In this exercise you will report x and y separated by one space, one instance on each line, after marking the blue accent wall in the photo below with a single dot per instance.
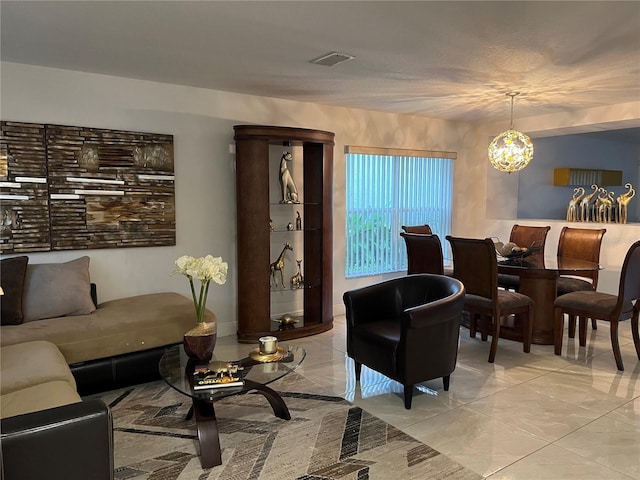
539 198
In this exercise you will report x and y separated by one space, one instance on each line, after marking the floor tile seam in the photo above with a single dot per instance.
591 368
519 460
621 417
608 467
615 382
578 405
497 420
596 417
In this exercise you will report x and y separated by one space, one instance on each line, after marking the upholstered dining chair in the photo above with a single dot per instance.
424 253
581 244
604 306
476 266
406 328
424 229
523 236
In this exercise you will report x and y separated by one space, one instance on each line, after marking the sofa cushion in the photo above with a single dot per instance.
38 397
57 290
12 275
31 363
119 326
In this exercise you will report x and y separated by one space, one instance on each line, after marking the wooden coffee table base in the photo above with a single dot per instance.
207 424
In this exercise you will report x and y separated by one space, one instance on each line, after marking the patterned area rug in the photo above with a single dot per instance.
327 438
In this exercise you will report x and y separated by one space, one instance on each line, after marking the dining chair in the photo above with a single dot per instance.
581 244
524 236
586 304
424 229
476 266
424 253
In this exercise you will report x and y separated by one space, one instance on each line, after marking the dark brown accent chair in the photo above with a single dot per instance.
581 244
586 304
423 229
476 266
424 253
524 236
406 328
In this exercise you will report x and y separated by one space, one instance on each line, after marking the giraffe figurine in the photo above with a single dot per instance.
297 281
278 266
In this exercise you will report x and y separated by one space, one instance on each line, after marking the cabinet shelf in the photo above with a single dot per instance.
259 150
292 290
284 230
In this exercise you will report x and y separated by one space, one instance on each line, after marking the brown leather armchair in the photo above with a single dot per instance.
406 328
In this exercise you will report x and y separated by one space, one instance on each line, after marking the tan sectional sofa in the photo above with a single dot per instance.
47 364
35 376
107 345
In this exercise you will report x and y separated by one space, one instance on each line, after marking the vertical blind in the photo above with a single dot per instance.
386 189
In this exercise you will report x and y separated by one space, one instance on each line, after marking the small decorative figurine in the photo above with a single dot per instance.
278 266
603 206
289 226
572 209
286 322
298 221
289 190
297 281
585 204
622 201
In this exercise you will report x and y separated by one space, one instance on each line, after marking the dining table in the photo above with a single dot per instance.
538 280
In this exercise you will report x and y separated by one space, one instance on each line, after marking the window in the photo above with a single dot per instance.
388 188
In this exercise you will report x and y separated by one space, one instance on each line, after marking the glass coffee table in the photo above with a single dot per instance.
177 370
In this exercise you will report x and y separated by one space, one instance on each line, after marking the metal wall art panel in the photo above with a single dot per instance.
76 188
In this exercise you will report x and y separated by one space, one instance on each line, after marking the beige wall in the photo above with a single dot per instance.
202 124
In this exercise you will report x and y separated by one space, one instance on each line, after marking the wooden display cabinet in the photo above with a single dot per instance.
262 231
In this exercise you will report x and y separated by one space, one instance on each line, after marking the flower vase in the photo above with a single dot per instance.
200 341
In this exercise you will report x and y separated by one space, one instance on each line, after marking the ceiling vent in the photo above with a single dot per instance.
332 59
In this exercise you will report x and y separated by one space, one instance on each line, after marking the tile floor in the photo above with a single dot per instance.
527 416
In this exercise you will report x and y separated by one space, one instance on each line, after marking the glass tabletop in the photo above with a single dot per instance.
559 264
177 370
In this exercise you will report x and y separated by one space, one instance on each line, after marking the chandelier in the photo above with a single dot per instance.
512 150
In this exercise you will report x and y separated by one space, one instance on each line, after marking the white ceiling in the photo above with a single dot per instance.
452 60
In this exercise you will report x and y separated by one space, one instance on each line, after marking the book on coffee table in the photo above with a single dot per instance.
210 376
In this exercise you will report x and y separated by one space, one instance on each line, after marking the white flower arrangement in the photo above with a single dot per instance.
204 269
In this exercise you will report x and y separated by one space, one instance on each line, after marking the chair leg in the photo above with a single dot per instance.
527 326
484 326
408 396
582 332
358 370
594 323
494 340
616 345
472 325
558 330
635 331
445 381
572 326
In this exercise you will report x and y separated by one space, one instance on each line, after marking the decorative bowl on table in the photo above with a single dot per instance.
510 250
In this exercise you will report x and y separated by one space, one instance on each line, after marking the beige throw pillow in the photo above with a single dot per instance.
57 290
